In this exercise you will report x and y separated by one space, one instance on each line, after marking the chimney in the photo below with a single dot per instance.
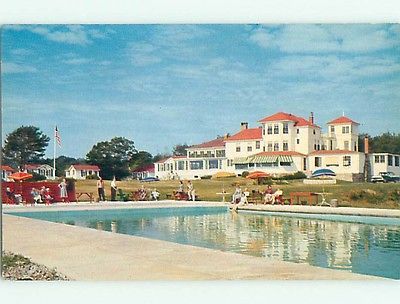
366 145
226 136
311 118
244 126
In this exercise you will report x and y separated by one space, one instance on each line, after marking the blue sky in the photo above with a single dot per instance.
160 85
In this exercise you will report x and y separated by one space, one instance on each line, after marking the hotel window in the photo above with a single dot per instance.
317 162
397 161
181 165
213 164
276 146
315 146
276 129
285 128
390 160
263 129
298 141
313 131
332 129
298 131
269 146
346 161
237 147
346 145
346 130
304 164
196 165
269 130
285 146
379 159
258 145
249 148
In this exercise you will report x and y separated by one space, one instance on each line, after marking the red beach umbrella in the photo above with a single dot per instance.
20 176
257 175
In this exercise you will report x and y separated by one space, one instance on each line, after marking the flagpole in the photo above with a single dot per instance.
54 159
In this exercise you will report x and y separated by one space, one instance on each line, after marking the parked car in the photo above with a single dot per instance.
390 177
377 179
150 179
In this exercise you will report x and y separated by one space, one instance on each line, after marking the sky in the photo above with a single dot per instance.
162 85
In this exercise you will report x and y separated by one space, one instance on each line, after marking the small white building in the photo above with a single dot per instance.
82 171
44 170
6 171
384 162
143 172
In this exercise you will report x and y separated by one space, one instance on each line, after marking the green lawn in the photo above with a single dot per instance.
348 194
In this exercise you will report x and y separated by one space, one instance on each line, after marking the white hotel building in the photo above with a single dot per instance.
282 144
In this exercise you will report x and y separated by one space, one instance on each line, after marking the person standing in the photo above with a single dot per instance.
100 190
113 189
190 190
63 191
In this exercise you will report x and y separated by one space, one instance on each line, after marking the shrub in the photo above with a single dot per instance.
92 176
206 177
297 175
37 177
245 173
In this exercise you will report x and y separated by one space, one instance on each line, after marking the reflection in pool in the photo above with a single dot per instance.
361 248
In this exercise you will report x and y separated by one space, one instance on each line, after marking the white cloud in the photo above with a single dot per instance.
20 52
16 68
313 38
70 34
77 61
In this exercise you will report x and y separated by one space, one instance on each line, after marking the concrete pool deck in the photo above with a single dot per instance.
89 254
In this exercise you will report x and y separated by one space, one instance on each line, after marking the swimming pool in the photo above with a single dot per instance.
365 245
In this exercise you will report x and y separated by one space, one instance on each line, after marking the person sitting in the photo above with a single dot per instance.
36 196
278 196
245 195
237 195
269 195
10 196
180 189
48 199
155 194
190 191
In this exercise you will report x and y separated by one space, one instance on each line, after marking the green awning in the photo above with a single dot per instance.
240 160
285 158
264 159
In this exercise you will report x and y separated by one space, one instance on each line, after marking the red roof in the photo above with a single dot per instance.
86 167
343 120
247 134
7 168
326 152
273 153
31 166
148 168
218 142
298 121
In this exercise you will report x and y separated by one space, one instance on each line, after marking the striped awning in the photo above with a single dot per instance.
240 160
264 159
285 158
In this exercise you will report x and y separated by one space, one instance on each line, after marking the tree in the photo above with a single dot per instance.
180 150
113 157
140 159
158 157
24 145
386 142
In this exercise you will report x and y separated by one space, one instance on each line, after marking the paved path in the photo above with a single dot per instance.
89 254
322 210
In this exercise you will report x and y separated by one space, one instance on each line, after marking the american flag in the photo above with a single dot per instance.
57 136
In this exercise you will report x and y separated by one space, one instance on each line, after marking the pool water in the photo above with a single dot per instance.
365 245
